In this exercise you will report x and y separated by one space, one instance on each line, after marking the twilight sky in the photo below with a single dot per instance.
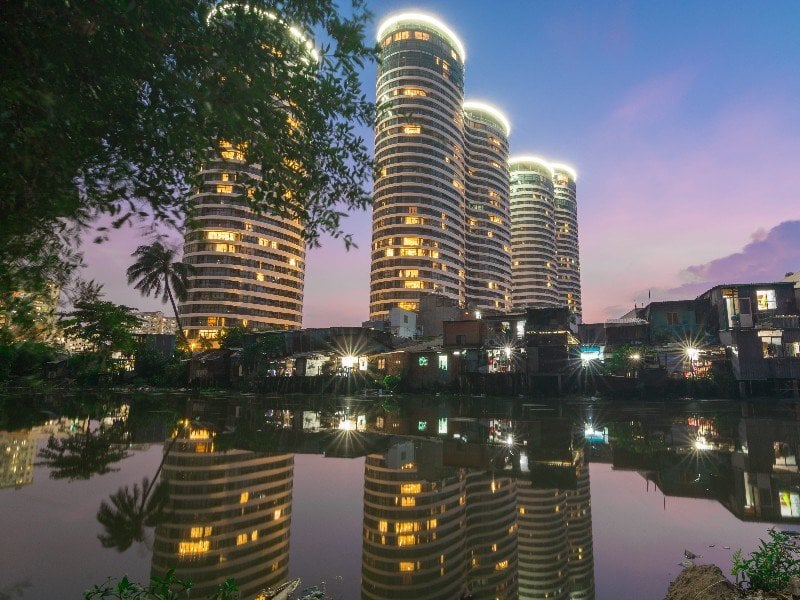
682 120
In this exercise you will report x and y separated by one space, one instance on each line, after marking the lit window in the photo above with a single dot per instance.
244 497
190 548
501 565
410 488
228 236
408 501
408 305
412 129
409 273
241 539
224 189
277 514
411 241
224 248
292 262
402 35
412 284
443 362
406 566
389 252
406 540
383 526
432 523
413 221
406 527
225 176
259 277
421 35
766 300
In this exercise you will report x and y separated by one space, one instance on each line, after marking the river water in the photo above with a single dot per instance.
397 498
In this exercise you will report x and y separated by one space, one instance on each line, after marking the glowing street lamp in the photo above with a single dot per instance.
636 357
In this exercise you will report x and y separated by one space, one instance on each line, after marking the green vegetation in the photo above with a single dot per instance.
168 588
772 565
110 107
105 326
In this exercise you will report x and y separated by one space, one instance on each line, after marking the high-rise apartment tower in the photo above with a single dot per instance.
544 235
488 234
440 220
533 233
569 266
249 267
418 222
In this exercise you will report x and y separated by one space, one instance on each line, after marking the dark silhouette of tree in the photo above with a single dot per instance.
104 325
109 108
156 272
129 511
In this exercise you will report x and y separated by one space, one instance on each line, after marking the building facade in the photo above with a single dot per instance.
544 235
533 234
488 232
418 212
249 266
567 251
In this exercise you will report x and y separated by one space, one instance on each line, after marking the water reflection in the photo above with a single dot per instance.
228 516
436 528
492 506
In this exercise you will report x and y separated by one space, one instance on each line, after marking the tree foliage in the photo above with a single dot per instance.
110 107
104 325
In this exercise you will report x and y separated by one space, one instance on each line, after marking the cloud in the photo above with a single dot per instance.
766 258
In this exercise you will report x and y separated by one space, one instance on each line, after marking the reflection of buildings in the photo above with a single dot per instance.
554 517
766 481
229 515
414 525
17 451
491 535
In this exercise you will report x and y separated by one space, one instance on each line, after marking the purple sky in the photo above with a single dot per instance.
682 120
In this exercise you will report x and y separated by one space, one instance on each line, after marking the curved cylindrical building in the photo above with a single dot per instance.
249 267
569 268
418 217
533 234
488 233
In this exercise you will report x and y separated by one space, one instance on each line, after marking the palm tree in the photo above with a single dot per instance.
156 272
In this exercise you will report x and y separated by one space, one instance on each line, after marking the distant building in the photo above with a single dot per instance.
17 451
435 309
400 322
155 323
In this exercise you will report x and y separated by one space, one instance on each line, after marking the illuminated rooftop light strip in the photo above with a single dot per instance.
567 169
474 105
515 160
296 32
426 20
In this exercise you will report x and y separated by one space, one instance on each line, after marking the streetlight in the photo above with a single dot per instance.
692 353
